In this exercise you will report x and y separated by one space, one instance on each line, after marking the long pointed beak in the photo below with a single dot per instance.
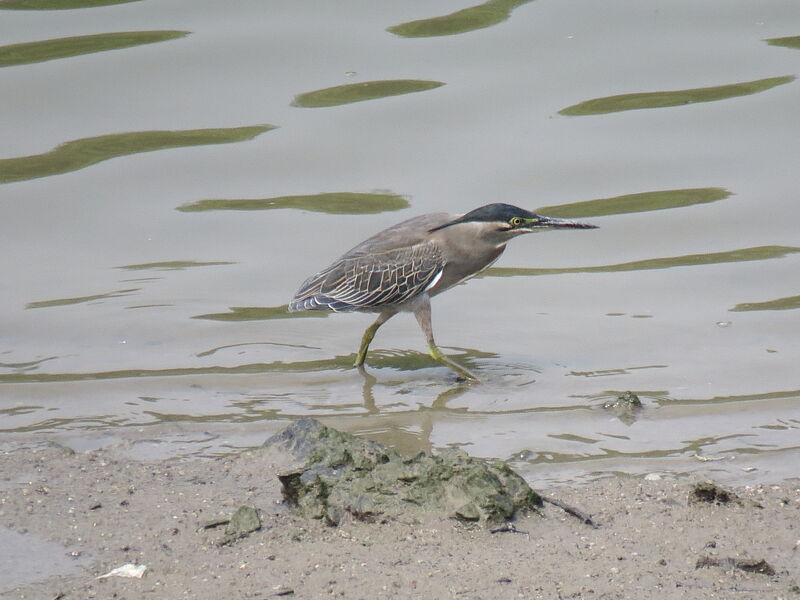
563 223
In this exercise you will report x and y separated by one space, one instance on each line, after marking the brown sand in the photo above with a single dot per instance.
108 510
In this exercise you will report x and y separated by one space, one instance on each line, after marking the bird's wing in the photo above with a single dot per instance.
372 280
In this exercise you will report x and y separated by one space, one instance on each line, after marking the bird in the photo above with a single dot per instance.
401 268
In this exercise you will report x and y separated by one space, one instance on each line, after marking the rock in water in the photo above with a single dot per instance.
342 475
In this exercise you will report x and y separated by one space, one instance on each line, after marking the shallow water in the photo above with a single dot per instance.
146 275
27 558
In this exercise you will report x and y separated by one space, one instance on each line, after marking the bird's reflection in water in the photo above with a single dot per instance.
408 432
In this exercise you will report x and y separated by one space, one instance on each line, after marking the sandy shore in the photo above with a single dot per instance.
101 510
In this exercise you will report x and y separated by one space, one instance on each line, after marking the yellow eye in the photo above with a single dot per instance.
515 221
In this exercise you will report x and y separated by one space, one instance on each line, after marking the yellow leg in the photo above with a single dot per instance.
369 333
423 314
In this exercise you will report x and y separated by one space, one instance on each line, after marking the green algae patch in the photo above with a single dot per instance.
785 42
261 313
57 4
668 262
788 303
81 153
340 477
633 203
339 203
80 299
173 265
609 104
359 92
34 52
462 21
342 362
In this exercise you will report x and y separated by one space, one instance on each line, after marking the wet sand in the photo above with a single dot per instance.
104 510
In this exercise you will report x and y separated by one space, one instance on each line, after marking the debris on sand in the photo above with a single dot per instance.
239 525
729 564
243 522
128 570
340 476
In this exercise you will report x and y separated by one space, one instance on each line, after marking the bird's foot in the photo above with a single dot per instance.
463 372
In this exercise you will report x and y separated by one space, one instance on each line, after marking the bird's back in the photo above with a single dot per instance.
403 235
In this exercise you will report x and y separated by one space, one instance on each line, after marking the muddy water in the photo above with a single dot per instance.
163 195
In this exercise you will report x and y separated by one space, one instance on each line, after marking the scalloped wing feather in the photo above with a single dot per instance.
371 281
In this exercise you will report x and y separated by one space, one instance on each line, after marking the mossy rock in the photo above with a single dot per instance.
342 476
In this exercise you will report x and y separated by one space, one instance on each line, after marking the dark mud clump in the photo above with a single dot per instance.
710 493
341 476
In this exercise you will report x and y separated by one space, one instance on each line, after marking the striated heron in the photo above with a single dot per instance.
402 267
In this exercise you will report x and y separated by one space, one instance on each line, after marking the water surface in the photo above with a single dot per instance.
147 270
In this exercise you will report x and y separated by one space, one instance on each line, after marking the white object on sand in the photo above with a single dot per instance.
126 570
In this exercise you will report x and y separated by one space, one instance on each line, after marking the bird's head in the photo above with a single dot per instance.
504 221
